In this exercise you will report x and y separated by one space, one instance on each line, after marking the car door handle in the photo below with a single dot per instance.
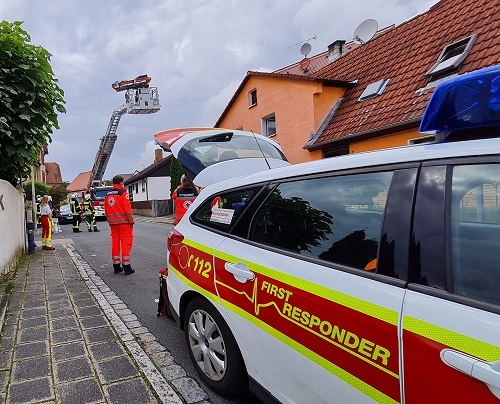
486 372
240 271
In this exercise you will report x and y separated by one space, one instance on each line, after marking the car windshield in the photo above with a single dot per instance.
64 208
100 193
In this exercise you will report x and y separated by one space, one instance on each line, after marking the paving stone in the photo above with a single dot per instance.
60 313
68 351
31 313
99 334
7 343
31 368
62 323
190 390
116 369
162 359
5 359
73 369
34 304
88 311
93 322
131 392
67 335
31 391
33 334
33 349
106 350
173 372
32 322
83 391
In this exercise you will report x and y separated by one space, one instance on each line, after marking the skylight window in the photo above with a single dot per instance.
451 57
373 89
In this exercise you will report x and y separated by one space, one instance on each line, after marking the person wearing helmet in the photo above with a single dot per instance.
37 209
88 210
76 211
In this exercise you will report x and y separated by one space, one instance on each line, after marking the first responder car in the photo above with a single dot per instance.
372 277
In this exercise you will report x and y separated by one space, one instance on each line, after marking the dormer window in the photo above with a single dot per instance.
373 89
252 97
451 58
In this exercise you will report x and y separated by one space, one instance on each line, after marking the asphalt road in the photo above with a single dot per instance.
140 290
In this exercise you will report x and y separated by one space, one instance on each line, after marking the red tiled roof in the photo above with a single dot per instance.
403 55
53 172
80 182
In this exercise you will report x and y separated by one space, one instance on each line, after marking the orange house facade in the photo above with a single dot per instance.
285 107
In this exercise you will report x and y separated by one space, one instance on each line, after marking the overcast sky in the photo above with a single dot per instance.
197 52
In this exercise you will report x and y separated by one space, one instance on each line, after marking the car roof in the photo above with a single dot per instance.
403 154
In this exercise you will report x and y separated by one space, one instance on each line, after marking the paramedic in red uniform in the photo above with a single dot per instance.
119 215
183 197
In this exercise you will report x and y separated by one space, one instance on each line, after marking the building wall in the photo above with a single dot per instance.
299 107
384 142
150 188
13 226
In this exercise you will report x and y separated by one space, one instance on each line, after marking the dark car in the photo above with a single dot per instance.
65 215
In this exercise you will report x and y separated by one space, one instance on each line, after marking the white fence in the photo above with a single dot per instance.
12 227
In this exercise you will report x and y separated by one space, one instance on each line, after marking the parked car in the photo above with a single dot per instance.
371 277
65 215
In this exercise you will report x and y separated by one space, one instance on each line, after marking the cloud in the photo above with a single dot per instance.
197 52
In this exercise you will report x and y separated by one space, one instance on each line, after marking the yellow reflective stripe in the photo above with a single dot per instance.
319 360
370 309
193 285
464 343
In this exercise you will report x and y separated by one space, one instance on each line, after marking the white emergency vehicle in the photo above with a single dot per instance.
372 277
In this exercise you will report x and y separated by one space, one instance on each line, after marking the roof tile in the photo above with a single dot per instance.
403 55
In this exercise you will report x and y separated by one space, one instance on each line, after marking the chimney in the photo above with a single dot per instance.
158 155
336 50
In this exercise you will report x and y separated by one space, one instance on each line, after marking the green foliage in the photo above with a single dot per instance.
29 100
40 189
59 195
175 174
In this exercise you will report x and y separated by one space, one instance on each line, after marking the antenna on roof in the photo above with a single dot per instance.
307 40
365 31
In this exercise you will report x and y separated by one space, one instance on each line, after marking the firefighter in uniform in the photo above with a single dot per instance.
119 214
183 197
88 210
76 211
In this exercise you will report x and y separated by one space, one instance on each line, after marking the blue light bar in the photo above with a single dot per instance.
467 101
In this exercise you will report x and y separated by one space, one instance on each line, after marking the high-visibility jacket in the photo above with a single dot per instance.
117 206
183 198
75 207
88 209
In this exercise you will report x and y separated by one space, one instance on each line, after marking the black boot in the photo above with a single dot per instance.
117 268
128 269
96 230
77 231
90 230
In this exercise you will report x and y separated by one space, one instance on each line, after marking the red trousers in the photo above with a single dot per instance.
122 237
46 231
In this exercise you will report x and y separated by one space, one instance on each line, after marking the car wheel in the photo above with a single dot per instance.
214 350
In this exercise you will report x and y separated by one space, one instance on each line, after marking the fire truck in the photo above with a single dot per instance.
140 98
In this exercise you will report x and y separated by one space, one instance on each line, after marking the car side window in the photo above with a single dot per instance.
220 211
475 232
336 219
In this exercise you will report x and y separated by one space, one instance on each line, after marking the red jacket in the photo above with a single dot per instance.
117 206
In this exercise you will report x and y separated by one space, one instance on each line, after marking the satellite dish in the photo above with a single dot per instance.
365 31
305 49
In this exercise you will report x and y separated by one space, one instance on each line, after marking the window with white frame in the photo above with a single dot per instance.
269 125
451 57
252 97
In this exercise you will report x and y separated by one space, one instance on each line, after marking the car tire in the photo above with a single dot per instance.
213 349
